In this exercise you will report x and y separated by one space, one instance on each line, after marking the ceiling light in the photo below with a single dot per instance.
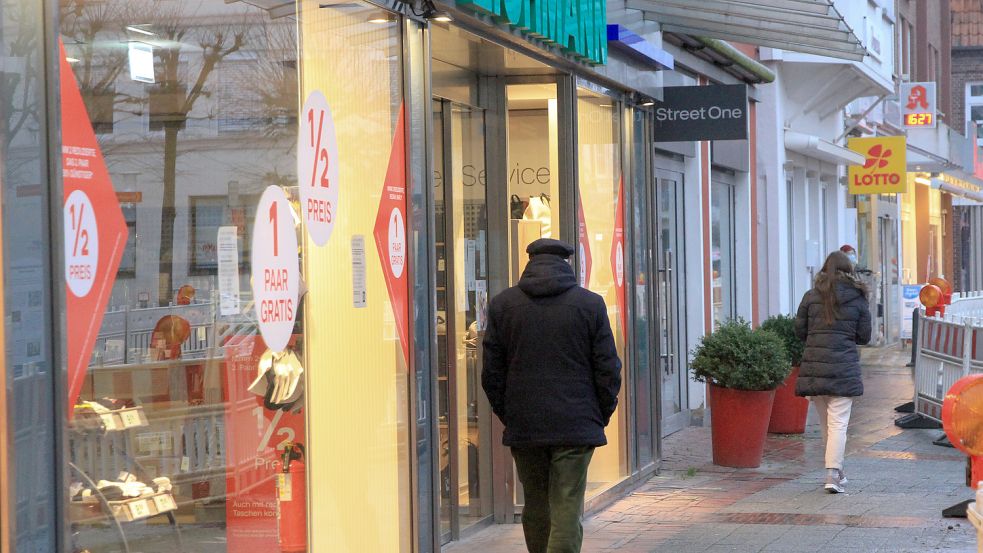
648 103
441 17
72 60
380 17
137 29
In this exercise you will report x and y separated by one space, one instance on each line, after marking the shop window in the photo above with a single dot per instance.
210 353
602 238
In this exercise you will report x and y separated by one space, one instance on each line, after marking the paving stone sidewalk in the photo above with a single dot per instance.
898 485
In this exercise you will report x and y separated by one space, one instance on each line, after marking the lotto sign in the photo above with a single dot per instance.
317 168
390 234
95 231
583 247
618 255
276 268
885 168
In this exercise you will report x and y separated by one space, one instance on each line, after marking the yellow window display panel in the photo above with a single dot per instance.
601 199
357 378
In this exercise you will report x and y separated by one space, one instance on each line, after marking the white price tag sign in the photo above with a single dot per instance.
139 509
130 418
164 503
108 420
317 168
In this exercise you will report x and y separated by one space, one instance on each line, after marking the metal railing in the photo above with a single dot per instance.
948 348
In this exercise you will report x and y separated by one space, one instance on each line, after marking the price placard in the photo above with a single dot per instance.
275 268
164 502
317 168
130 418
139 509
108 420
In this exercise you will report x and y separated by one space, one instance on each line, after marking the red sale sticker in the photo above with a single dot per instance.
390 234
95 231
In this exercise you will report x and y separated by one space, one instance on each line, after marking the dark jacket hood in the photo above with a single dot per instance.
848 290
547 275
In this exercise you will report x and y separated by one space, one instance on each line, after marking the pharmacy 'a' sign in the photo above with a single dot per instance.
885 167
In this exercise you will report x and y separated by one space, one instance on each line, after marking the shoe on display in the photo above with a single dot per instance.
834 481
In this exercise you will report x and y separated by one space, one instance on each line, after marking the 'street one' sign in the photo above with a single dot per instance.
717 112
579 27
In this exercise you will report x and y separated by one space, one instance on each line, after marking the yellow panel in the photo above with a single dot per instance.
357 402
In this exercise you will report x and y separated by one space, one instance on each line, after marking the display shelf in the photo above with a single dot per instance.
116 421
124 510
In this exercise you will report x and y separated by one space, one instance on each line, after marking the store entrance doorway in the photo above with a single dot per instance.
461 225
890 286
671 298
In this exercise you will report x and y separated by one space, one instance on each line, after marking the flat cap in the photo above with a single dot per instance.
550 246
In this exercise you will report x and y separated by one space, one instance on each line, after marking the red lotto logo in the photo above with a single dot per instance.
877 157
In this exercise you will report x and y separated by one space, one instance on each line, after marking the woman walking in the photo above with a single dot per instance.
832 319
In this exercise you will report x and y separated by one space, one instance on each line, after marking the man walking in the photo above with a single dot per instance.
552 375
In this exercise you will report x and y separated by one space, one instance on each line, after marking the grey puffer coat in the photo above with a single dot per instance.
830 362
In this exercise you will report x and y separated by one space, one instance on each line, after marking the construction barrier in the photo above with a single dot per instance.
947 349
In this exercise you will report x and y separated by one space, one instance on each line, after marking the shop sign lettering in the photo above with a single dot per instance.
579 27
717 112
885 168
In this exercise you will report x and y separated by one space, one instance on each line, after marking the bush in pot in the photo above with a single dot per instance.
742 366
788 413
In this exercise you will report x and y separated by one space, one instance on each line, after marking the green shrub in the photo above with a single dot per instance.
783 326
735 356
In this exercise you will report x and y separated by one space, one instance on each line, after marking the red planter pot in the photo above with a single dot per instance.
788 414
739 425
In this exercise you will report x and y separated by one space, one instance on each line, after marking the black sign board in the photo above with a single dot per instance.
716 112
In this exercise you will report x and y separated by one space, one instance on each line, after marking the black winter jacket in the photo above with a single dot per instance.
550 367
830 362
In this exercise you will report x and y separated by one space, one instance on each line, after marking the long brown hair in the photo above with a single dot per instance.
837 268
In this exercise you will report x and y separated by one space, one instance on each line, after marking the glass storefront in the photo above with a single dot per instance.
282 226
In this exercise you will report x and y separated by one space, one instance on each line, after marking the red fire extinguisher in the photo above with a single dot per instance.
291 496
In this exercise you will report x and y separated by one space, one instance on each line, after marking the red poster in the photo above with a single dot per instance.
618 255
254 438
95 231
390 234
583 240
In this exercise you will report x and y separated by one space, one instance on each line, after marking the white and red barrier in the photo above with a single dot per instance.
948 348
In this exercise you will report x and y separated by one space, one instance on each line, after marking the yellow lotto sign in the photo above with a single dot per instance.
885 170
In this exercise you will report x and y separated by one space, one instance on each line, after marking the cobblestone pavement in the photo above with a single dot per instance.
898 485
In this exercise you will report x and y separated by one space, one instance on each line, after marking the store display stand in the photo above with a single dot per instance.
121 512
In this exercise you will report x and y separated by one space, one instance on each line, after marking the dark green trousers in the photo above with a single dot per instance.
554 480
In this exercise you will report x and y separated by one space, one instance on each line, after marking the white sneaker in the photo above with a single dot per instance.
834 481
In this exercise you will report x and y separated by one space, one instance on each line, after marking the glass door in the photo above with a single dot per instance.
890 291
670 297
464 417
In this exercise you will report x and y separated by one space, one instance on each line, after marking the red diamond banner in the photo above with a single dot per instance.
95 231
618 254
390 234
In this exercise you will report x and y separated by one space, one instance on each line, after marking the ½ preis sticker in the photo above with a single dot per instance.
81 243
276 268
317 168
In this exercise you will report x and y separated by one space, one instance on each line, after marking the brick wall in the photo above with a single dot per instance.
967 66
